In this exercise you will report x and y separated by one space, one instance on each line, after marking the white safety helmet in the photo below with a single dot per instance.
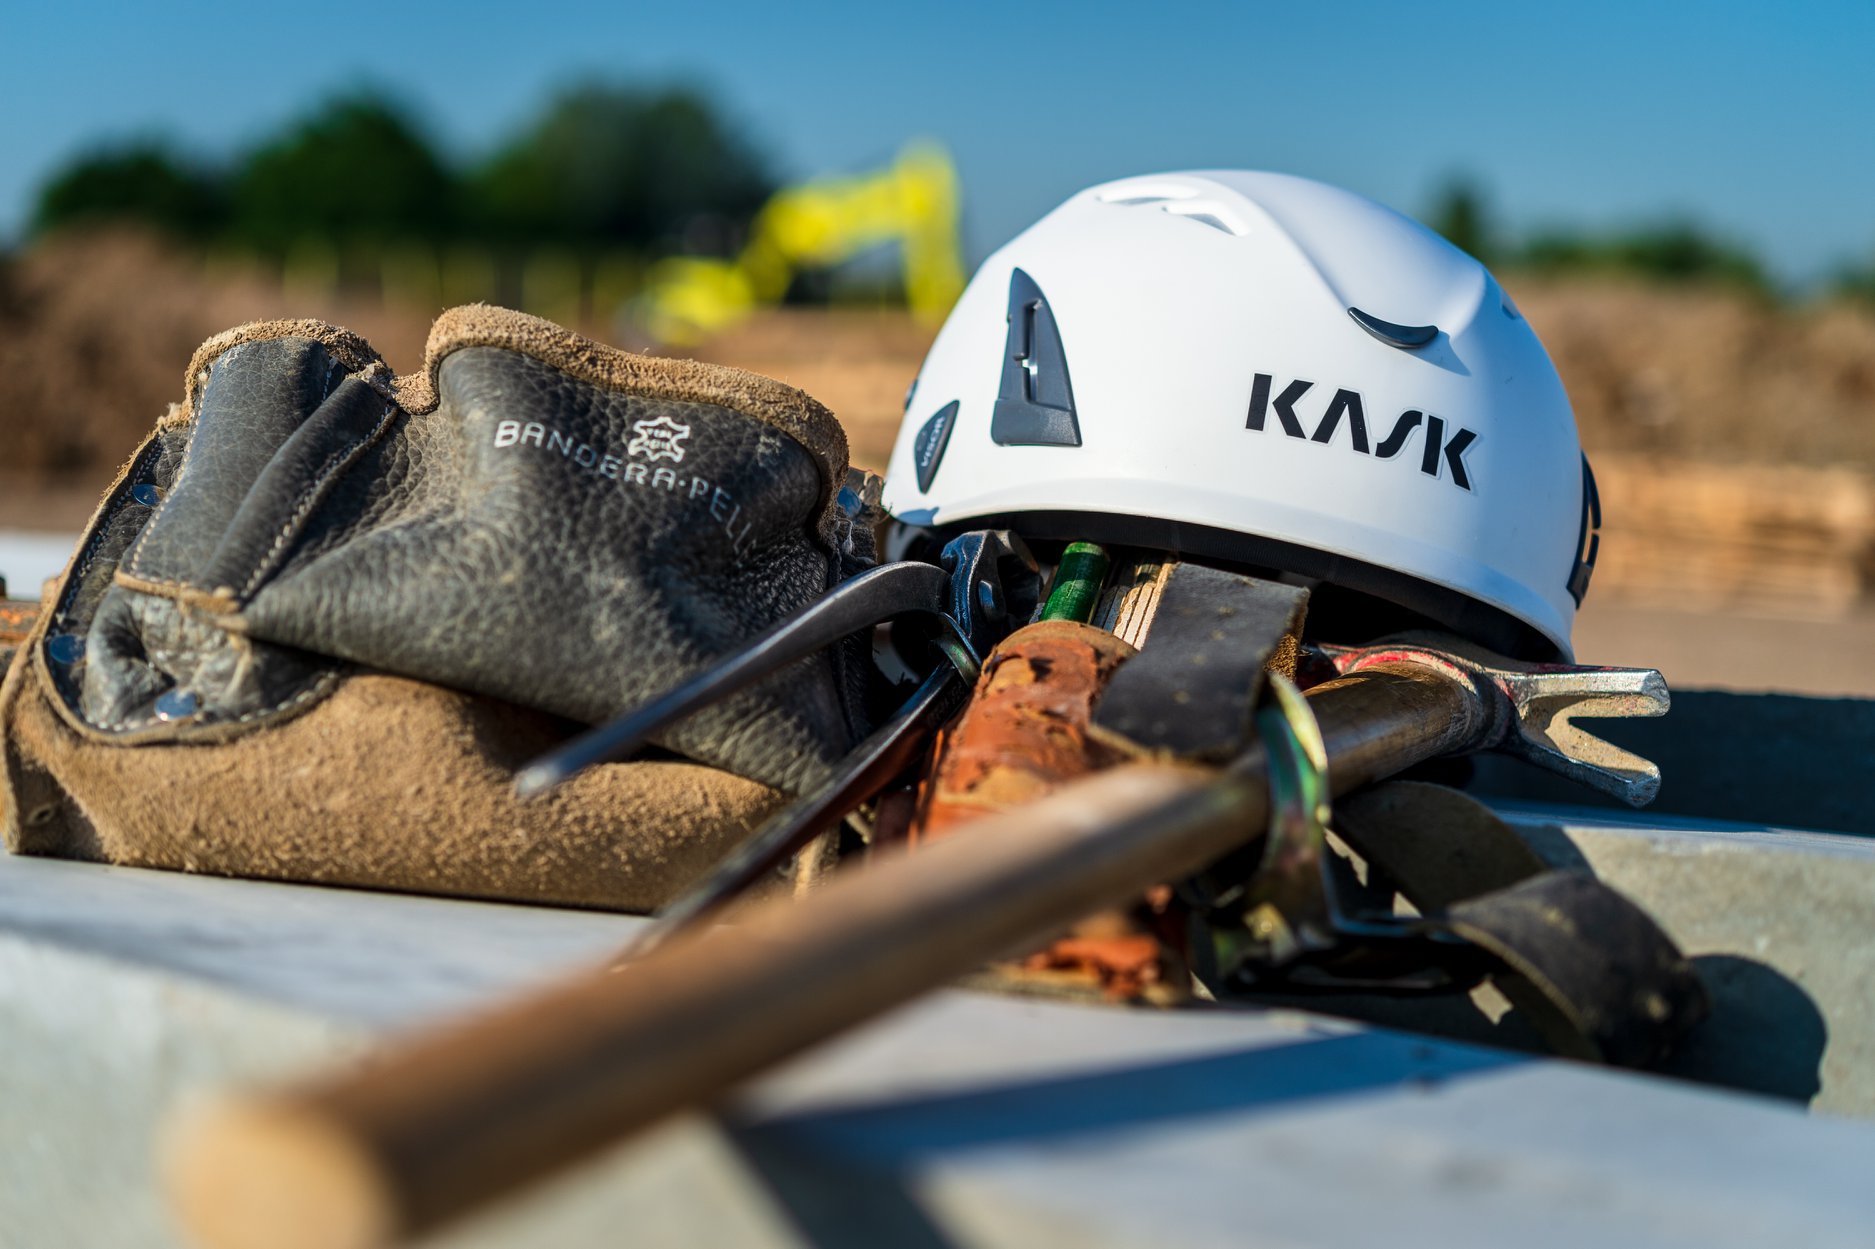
1262 369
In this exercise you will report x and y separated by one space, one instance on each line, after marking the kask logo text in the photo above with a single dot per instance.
1437 451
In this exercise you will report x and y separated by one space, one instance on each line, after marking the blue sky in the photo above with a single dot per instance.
1757 120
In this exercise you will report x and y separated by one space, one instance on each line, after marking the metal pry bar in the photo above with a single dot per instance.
874 595
863 773
1533 708
992 585
976 591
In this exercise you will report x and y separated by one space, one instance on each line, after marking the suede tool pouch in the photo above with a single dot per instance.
239 671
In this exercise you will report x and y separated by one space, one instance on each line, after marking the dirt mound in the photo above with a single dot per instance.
1735 439
1710 375
95 331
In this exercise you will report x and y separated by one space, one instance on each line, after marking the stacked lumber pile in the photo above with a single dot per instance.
1784 540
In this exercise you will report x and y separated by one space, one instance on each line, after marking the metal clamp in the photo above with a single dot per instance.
1285 905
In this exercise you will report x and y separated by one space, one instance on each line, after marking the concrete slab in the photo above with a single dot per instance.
963 1120
1781 925
351 956
28 558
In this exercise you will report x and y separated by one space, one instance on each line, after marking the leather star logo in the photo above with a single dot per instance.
659 439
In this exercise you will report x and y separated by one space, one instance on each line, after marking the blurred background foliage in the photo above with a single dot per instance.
356 171
607 177
141 181
1671 251
616 166
600 167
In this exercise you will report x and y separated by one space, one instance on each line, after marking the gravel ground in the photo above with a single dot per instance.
1714 650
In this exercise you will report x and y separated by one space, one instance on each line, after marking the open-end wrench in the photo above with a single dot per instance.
1528 710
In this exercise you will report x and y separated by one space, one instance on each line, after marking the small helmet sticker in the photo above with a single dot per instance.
928 448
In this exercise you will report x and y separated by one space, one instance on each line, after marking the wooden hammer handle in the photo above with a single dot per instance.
444 1120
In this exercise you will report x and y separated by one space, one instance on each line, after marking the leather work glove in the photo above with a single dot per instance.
240 670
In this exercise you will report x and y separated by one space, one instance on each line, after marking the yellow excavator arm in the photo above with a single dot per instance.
815 225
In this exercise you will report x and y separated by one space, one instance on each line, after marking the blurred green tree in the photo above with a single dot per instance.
356 171
143 182
618 166
1855 281
1459 213
1672 252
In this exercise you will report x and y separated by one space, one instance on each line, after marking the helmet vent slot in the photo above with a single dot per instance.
1206 214
1180 201
1137 193
1407 337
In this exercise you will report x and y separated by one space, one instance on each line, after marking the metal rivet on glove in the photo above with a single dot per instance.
176 705
146 494
65 648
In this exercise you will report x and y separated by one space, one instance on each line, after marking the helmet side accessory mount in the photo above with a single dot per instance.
1035 402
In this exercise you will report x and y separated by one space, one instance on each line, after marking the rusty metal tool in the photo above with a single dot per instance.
440 1122
1068 698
